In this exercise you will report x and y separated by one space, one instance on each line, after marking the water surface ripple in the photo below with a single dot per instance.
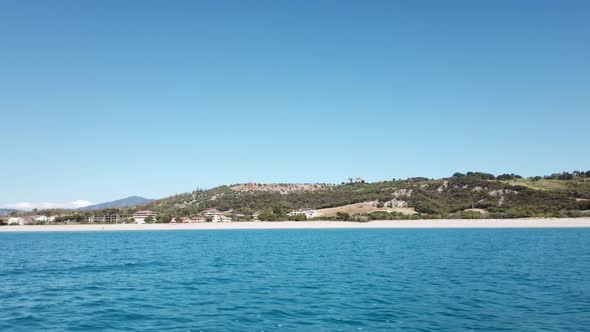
297 280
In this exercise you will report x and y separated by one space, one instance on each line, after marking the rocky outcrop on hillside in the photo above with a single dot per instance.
279 188
396 203
501 194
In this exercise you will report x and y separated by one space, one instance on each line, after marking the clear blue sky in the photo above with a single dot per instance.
104 99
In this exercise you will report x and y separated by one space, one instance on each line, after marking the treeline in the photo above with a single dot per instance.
512 176
567 175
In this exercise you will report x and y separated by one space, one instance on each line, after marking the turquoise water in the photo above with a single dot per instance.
296 280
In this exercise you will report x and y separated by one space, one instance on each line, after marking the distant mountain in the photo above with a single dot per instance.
129 201
5 212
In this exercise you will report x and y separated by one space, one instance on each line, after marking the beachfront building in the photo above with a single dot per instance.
198 219
211 213
109 219
215 216
44 219
140 216
221 218
16 221
187 220
307 212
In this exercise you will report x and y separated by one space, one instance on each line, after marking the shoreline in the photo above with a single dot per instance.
377 224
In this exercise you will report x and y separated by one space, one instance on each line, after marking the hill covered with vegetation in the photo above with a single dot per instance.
470 195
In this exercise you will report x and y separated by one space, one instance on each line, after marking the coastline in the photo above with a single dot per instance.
377 224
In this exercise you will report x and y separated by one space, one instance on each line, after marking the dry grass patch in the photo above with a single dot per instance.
361 208
543 184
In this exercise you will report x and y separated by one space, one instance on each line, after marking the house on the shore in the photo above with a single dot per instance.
43 218
114 218
221 218
198 219
215 216
306 212
16 221
211 213
139 217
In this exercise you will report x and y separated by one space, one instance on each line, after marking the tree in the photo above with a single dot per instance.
281 209
149 220
480 175
164 218
566 176
266 215
510 176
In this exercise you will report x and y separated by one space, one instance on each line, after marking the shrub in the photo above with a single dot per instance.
511 176
574 214
267 215
298 217
362 219
428 207
343 216
469 215
380 215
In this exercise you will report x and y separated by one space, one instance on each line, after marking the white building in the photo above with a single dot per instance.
140 216
220 218
44 218
211 213
308 213
16 221
114 218
215 215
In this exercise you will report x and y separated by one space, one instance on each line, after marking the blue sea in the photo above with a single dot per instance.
296 280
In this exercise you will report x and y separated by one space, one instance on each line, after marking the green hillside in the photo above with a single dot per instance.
471 195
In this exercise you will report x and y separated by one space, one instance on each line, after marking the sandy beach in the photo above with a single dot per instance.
449 223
